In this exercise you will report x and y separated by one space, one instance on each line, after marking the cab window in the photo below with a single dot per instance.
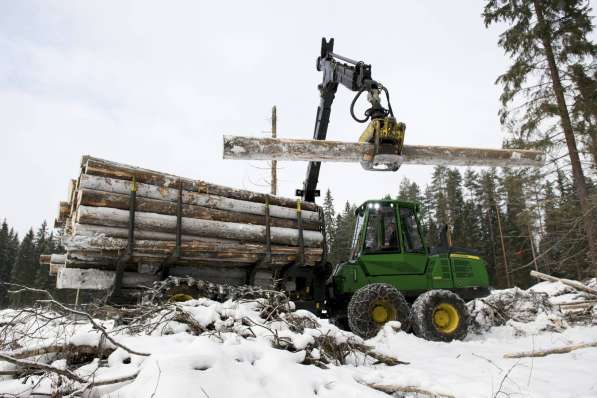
382 230
410 231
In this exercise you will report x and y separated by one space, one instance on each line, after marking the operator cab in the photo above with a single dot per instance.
387 226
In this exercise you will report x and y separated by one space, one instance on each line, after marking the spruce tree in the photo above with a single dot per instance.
515 225
547 39
472 213
345 224
329 217
24 269
584 107
488 197
5 263
43 245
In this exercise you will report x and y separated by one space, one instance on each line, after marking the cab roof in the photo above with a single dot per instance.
395 202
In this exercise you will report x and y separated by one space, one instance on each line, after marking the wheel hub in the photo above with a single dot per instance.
380 314
383 312
446 318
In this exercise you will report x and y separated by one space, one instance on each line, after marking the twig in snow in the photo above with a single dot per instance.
392 389
499 391
488 360
157 383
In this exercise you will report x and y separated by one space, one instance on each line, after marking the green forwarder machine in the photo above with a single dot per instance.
392 274
391 268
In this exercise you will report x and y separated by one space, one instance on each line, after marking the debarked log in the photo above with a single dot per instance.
106 168
94 279
257 148
112 185
91 197
208 228
107 260
195 244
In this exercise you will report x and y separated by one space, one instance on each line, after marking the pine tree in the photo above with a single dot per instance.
430 223
547 39
24 270
409 191
439 190
455 206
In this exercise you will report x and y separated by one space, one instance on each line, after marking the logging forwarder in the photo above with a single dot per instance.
392 274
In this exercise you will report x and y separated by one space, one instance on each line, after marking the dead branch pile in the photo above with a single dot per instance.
64 351
550 305
511 306
192 227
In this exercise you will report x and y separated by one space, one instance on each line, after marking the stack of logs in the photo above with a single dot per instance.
178 226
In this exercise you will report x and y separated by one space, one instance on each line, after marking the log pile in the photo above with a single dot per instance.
189 226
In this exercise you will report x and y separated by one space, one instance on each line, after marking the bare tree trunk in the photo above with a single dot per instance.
577 172
506 269
274 181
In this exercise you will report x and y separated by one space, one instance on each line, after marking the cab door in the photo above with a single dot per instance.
414 253
382 253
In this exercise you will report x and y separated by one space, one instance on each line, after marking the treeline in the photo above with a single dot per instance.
19 264
538 219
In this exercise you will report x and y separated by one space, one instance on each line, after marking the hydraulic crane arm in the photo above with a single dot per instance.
354 75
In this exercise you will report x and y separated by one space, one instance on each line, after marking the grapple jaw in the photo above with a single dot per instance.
387 137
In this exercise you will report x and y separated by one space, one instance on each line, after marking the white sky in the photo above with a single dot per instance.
156 84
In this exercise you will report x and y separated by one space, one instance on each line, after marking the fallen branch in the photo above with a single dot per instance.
53 349
544 353
64 308
186 318
35 365
391 389
568 282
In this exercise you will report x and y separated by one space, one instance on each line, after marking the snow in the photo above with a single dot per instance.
242 354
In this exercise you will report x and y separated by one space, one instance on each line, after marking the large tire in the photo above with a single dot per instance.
440 315
373 305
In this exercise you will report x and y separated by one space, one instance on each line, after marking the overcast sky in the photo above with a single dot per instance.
157 84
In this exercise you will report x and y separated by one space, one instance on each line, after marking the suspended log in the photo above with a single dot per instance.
93 279
255 148
208 228
44 259
106 168
112 185
91 197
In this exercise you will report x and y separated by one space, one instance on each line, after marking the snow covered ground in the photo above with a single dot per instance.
243 355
